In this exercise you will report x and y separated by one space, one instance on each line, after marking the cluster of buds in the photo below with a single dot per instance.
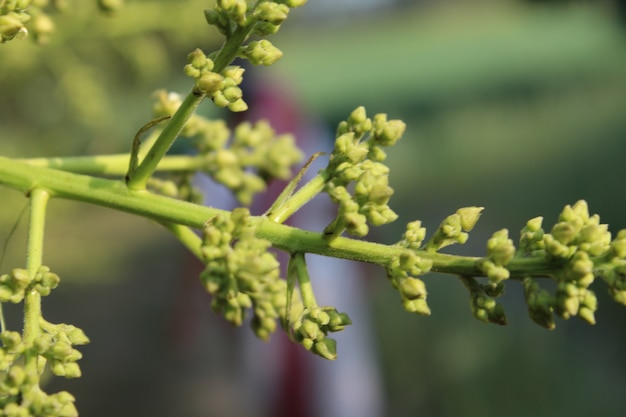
222 88
577 231
613 272
241 273
402 272
531 238
264 19
55 345
413 236
15 285
356 161
500 250
574 242
20 393
453 228
254 156
312 328
244 164
178 186
483 301
22 397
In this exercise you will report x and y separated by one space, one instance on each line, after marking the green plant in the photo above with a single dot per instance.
240 272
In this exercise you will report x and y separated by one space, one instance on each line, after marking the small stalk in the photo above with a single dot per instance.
115 165
32 299
292 204
285 205
187 237
165 140
298 262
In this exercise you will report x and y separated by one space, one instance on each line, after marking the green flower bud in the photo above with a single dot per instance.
263 29
271 12
469 217
215 18
209 83
587 315
238 106
326 348
234 73
219 99
262 52
564 232
15 376
307 343
11 27
61 350
412 288
197 59
500 248
310 329
68 369
387 133
7 294
75 335
413 236
12 341
43 343
556 248
358 121
418 306
232 93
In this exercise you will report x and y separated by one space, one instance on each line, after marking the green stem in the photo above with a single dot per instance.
298 199
187 237
115 165
304 282
32 301
165 140
113 194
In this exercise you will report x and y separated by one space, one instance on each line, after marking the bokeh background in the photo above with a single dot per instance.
517 106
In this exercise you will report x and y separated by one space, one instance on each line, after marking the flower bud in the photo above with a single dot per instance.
209 82
412 288
11 26
418 306
238 106
262 52
11 340
326 348
271 12
564 232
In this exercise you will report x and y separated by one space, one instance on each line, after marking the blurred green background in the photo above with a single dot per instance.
516 106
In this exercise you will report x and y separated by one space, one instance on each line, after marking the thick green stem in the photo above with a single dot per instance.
114 194
32 299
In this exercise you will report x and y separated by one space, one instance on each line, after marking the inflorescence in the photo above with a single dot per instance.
241 270
23 359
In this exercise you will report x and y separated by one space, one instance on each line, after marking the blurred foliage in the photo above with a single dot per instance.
65 97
